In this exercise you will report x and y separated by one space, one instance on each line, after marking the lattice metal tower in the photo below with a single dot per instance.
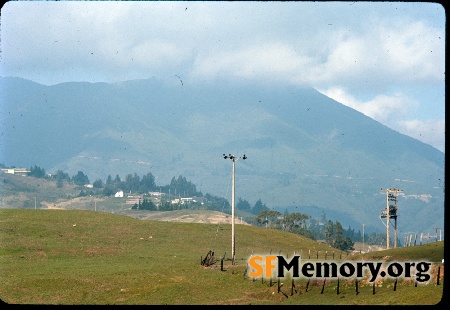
390 212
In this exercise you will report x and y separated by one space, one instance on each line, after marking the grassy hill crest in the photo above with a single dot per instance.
91 258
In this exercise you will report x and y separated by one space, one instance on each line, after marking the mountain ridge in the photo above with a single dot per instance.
300 143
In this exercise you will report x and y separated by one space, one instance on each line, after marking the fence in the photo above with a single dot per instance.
302 286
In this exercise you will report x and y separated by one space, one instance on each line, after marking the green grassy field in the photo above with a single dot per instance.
91 258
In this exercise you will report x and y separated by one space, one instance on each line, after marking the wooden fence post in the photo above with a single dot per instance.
280 290
293 287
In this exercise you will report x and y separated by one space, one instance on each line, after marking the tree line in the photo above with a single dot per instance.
332 233
133 183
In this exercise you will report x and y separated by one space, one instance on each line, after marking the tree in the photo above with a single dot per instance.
109 190
132 182
146 205
217 203
59 183
183 187
37 172
166 206
258 207
117 182
262 218
334 236
243 205
329 233
80 179
60 177
295 219
97 183
270 218
147 183
109 180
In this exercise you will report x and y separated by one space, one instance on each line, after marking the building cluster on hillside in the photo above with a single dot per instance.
17 171
157 196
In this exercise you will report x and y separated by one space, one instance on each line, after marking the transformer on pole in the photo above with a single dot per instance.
233 159
390 212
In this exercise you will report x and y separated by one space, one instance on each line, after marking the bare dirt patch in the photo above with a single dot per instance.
187 216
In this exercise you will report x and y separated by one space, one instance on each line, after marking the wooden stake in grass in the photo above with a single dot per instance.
280 290
356 286
307 284
293 287
373 288
323 286
395 284
337 291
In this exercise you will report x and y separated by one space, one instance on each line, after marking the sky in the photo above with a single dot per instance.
384 59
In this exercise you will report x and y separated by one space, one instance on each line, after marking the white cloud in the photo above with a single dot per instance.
381 107
157 54
374 51
386 54
269 60
394 111
413 51
431 132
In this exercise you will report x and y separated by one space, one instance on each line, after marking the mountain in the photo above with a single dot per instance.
306 152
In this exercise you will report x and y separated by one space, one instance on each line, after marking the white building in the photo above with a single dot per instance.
19 171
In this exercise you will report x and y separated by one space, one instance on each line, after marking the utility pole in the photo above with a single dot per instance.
390 213
437 228
233 160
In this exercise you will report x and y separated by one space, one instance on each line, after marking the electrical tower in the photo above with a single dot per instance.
390 212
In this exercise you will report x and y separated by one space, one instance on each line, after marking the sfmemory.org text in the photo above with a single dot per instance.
268 266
